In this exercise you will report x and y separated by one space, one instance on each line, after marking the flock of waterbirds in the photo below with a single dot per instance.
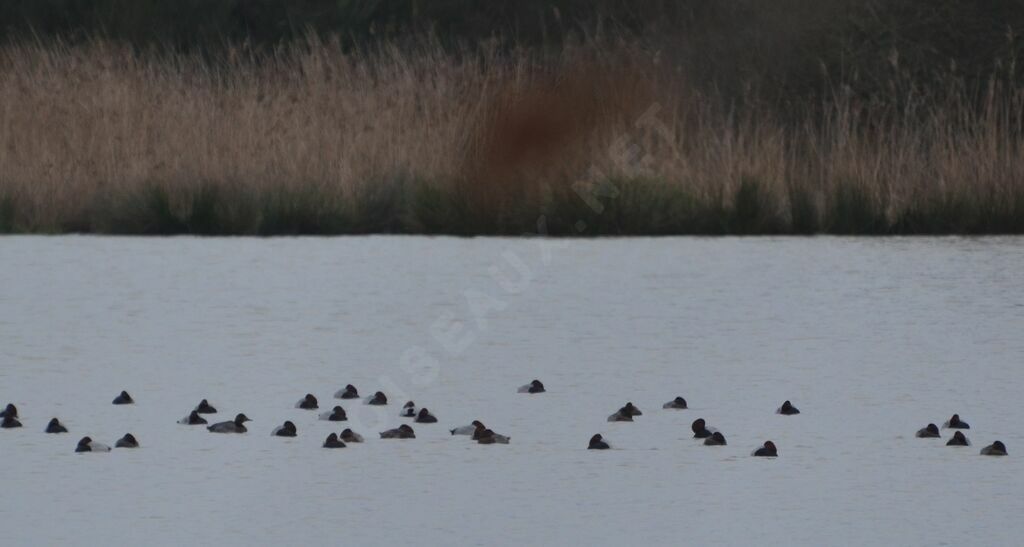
476 430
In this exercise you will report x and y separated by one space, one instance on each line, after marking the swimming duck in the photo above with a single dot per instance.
956 423
533 387
995 449
787 409
716 439
408 410
377 399
307 403
204 407
235 426
337 414
285 430
700 430
193 418
333 442
123 399
597 443
678 403
128 441
959 439
478 431
425 417
10 411
467 429
56 427
401 432
768 450
490 437
928 432
350 436
9 422
348 392
88 445
625 414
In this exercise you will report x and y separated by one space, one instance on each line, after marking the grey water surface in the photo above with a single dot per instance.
871 338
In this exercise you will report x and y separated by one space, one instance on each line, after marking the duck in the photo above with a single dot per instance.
597 443
9 422
193 418
377 399
716 439
408 410
533 387
9 411
286 429
930 431
235 426
700 430
123 399
787 409
425 417
768 450
478 432
128 441
56 427
333 442
490 437
307 403
467 429
677 403
401 432
995 449
204 407
348 392
350 436
959 439
337 414
956 423
625 414
86 444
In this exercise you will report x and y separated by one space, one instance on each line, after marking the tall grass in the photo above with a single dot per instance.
597 138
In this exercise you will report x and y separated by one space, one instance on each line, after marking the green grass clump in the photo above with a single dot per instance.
6 214
803 211
856 212
202 209
301 211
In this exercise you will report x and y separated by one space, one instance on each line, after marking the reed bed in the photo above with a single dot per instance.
598 138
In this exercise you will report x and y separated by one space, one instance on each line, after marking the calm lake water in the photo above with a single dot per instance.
871 338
